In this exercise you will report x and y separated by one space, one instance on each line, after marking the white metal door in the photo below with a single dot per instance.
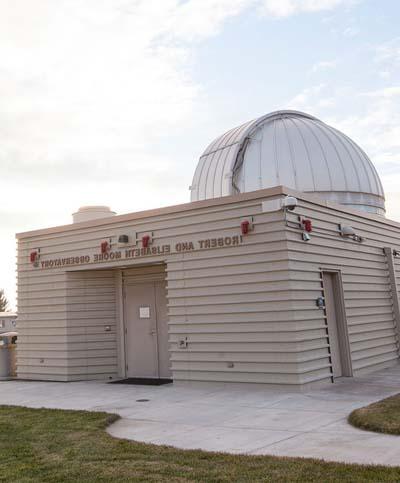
146 340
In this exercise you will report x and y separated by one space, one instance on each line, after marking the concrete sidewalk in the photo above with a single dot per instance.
235 420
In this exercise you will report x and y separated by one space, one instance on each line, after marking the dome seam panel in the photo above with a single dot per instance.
291 153
276 155
306 150
322 151
320 125
336 135
375 175
215 169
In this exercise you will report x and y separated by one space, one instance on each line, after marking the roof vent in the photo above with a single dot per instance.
88 213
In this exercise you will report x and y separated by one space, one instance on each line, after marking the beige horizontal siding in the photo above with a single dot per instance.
252 305
89 314
366 284
243 283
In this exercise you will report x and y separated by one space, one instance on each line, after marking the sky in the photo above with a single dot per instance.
113 101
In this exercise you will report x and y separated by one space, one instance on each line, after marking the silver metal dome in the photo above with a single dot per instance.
292 149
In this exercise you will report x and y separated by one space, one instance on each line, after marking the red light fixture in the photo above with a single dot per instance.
307 225
145 241
104 247
245 227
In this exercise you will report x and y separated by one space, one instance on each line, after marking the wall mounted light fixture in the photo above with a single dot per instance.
34 255
289 203
306 224
246 226
347 231
104 246
123 239
147 239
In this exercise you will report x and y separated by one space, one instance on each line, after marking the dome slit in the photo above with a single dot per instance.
213 165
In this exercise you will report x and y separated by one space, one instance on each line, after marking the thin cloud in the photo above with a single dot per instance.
386 93
324 65
388 52
285 8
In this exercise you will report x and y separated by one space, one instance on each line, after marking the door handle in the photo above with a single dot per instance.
153 331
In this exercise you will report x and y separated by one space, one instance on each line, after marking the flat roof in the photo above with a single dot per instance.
195 205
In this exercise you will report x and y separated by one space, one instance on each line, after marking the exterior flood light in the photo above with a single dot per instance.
123 239
347 231
289 203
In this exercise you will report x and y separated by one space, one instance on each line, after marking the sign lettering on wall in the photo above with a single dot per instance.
134 253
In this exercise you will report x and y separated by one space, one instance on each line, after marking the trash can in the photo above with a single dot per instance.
8 345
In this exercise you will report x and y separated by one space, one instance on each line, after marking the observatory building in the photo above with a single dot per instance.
281 270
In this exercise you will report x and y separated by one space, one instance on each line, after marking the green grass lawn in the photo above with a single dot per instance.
42 445
381 417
